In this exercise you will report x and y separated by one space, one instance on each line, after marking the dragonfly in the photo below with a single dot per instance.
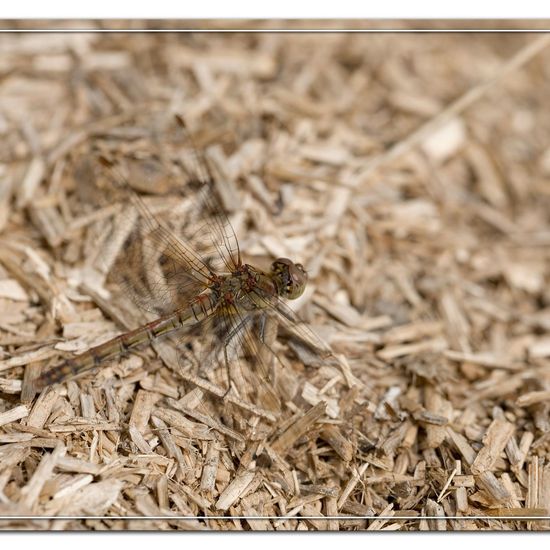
200 287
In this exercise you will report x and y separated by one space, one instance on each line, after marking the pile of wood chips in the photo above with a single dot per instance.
409 173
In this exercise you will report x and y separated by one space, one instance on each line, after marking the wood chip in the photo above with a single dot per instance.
141 412
31 491
42 408
532 398
14 414
298 428
10 288
234 490
494 442
210 468
338 442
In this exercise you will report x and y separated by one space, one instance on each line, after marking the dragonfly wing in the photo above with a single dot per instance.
216 237
227 344
258 358
161 266
158 270
153 271
292 323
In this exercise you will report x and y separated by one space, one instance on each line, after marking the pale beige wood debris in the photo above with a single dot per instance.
313 396
10 288
12 415
342 312
208 386
508 484
10 386
489 180
413 211
410 101
26 358
256 524
47 219
493 486
67 463
461 496
31 491
159 387
540 348
42 408
533 470
544 494
379 523
298 428
141 411
77 482
310 511
488 359
332 513
95 498
494 442
457 327
234 61
528 276
33 176
447 484
208 421
334 437
512 452
185 426
462 445
437 406
172 449
234 490
412 331
15 437
519 512
352 483
444 142
137 437
210 467
82 425
531 398
524 446
435 509
495 388
432 344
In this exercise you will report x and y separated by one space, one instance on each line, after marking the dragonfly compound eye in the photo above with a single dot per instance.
291 278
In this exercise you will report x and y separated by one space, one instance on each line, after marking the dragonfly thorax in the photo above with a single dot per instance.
246 288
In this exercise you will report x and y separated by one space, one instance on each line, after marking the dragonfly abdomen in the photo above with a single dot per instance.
119 346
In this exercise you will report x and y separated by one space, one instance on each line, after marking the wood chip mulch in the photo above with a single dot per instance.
409 173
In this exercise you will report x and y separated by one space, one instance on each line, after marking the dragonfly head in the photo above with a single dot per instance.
290 278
